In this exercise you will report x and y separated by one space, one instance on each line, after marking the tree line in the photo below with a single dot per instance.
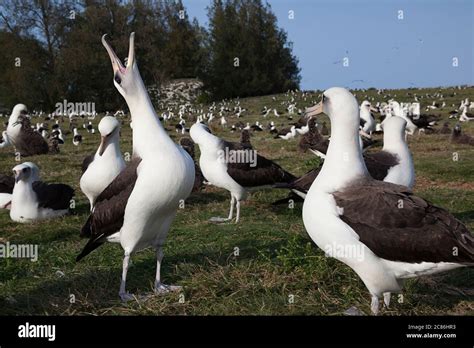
50 49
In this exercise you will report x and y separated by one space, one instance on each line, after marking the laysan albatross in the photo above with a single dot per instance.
138 207
34 200
393 164
101 168
382 231
235 167
25 140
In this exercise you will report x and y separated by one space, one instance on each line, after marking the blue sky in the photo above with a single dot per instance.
383 50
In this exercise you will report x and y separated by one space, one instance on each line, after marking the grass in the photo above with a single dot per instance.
276 261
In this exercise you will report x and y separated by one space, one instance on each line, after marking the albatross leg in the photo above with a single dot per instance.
374 306
237 215
386 299
124 295
161 288
231 212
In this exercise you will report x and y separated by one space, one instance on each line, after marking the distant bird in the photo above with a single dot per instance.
25 140
234 167
466 116
458 138
313 140
367 120
89 127
138 207
4 141
34 200
394 234
445 129
101 168
286 133
77 138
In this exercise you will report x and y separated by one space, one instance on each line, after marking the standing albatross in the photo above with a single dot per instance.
235 167
101 168
382 231
138 207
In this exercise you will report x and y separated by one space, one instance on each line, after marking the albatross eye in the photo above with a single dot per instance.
117 79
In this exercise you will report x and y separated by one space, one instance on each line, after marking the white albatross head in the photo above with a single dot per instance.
338 104
200 133
393 130
18 110
109 129
125 78
27 172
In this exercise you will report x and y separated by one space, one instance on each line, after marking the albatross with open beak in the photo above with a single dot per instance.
138 207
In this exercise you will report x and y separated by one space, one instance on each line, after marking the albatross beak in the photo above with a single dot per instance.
103 145
116 63
131 51
314 110
17 176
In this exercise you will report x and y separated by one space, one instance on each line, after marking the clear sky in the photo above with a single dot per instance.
383 50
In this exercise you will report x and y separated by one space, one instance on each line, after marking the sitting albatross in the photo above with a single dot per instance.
100 169
33 200
382 231
138 207
235 167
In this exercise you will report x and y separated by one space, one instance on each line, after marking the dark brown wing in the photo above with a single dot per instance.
108 214
399 226
264 172
245 139
29 142
303 183
7 183
87 161
53 196
313 140
378 163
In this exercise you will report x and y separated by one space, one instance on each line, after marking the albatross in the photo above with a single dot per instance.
34 200
393 164
382 231
235 167
101 168
138 207
25 140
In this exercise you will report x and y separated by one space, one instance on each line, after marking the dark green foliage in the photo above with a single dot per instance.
249 54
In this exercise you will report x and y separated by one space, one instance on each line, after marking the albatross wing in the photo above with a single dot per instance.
399 226
109 210
53 196
264 172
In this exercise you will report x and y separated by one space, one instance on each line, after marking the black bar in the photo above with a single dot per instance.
257 330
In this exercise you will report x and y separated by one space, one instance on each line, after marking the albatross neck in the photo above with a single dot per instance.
147 129
344 162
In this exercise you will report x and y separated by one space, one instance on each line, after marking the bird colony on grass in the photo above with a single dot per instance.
358 201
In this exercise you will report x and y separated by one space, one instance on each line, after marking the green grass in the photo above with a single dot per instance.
276 257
